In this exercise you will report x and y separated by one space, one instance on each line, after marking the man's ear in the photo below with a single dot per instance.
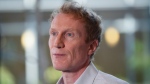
93 46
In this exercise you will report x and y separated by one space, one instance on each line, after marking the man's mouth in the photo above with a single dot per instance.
58 55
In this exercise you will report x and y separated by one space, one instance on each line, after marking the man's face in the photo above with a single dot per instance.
68 49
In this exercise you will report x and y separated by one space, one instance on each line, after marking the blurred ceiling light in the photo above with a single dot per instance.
112 36
129 2
83 2
27 39
29 4
129 24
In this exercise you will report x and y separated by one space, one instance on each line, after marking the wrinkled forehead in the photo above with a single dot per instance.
67 20
74 16
68 17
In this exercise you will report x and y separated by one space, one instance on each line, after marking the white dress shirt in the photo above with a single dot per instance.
93 76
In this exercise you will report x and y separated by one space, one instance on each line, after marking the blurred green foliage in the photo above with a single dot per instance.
5 76
139 60
51 75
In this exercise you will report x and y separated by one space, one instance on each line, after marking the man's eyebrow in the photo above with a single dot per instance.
50 29
78 32
67 30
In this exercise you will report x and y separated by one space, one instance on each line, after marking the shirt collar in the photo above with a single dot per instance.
87 77
60 81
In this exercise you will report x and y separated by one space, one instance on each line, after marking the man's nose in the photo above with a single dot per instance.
59 42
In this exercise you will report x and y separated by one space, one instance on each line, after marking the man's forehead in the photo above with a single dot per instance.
61 19
67 20
69 16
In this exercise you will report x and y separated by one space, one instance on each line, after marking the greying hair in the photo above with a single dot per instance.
91 19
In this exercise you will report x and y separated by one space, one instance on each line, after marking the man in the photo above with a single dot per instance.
75 34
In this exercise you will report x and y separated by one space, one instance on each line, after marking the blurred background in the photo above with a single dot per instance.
24 32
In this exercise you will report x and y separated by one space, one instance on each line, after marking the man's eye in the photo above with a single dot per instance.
53 33
69 34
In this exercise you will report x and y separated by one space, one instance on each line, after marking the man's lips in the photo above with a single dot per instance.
58 54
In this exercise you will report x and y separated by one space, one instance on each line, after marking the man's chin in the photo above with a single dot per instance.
61 69
58 68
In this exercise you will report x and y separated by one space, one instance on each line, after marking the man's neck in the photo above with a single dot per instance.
71 77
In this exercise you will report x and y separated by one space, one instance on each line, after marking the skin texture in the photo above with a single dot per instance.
69 51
